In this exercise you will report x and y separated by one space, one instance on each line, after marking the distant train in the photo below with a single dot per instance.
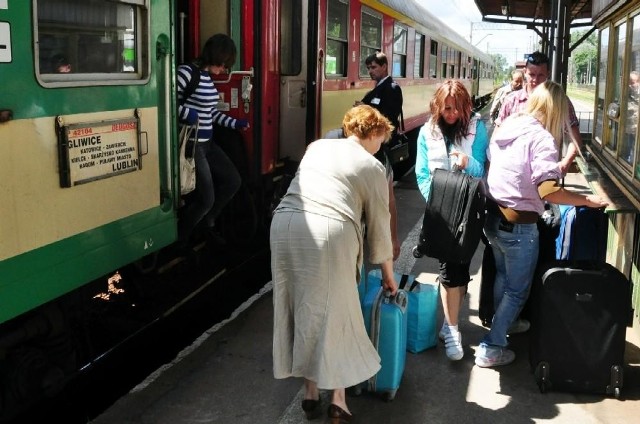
89 179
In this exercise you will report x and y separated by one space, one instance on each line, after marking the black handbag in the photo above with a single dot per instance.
398 149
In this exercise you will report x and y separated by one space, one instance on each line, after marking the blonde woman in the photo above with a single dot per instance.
316 255
524 173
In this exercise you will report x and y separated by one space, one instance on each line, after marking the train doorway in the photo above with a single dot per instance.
295 95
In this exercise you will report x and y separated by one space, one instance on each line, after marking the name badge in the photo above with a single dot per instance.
375 101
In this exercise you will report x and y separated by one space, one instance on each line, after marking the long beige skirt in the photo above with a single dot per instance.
318 329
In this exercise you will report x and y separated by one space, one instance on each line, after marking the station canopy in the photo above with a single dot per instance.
552 20
523 11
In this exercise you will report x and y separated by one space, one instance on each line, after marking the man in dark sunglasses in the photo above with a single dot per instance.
536 72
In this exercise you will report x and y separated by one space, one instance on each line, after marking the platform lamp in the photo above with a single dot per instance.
505 7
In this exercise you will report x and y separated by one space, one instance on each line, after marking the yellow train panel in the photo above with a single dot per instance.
32 193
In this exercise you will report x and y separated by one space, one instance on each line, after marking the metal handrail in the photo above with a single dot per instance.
250 72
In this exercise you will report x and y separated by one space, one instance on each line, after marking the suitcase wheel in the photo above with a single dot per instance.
617 374
542 377
389 396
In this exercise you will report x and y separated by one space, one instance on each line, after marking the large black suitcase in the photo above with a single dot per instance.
453 219
486 307
581 310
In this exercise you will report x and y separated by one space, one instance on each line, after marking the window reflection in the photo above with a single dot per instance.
370 37
91 37
633 96
602 84
337 27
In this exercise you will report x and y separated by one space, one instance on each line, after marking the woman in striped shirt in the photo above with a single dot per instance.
217 179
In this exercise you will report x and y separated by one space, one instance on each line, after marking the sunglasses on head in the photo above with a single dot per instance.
537 58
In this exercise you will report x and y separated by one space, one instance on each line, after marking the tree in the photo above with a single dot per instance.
584 57
500 64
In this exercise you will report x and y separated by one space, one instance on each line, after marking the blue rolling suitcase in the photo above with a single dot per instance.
583 234
422 308
385 318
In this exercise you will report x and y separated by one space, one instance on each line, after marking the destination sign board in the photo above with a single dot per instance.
93 151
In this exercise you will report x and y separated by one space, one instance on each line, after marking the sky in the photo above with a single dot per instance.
511 41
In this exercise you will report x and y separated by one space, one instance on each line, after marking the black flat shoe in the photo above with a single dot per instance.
312 408
338 415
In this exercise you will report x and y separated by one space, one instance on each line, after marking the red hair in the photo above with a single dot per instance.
457 90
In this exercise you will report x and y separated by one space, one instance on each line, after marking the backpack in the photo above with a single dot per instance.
193 83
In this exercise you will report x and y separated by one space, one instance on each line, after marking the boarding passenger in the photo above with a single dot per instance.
316 254
217 179
517 79
537 72
524 174
452 136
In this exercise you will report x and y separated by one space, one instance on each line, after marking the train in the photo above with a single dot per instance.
90 181
613 143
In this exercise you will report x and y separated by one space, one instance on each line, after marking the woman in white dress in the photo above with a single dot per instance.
316 257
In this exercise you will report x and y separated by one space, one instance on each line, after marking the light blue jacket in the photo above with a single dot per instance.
432 153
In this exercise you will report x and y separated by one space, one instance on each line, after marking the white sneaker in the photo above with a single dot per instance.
443 331
453 346
494 356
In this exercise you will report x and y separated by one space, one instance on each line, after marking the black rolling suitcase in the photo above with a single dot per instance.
486 307
577 341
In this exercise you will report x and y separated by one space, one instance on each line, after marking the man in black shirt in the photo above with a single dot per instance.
386 96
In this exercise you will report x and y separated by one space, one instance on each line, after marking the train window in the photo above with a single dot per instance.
418 63
399 68
615 85
100 40
463 65
632 98
290 37
337 42
452 63
433 60
444 54
370 37
458 64
602 84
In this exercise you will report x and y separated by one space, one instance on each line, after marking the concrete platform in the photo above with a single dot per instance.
226 376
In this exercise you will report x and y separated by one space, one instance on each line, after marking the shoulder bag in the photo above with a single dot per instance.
187 159
398 150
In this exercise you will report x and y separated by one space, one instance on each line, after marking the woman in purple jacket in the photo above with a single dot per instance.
524 173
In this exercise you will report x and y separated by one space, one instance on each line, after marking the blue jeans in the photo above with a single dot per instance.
516 255
217 181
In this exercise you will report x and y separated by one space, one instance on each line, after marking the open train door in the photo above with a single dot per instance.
298 85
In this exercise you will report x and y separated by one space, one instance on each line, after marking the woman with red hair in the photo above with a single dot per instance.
454 136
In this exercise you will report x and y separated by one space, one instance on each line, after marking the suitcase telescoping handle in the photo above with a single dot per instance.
404 280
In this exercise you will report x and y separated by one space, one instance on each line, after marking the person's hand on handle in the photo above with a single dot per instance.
461 159
388 280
